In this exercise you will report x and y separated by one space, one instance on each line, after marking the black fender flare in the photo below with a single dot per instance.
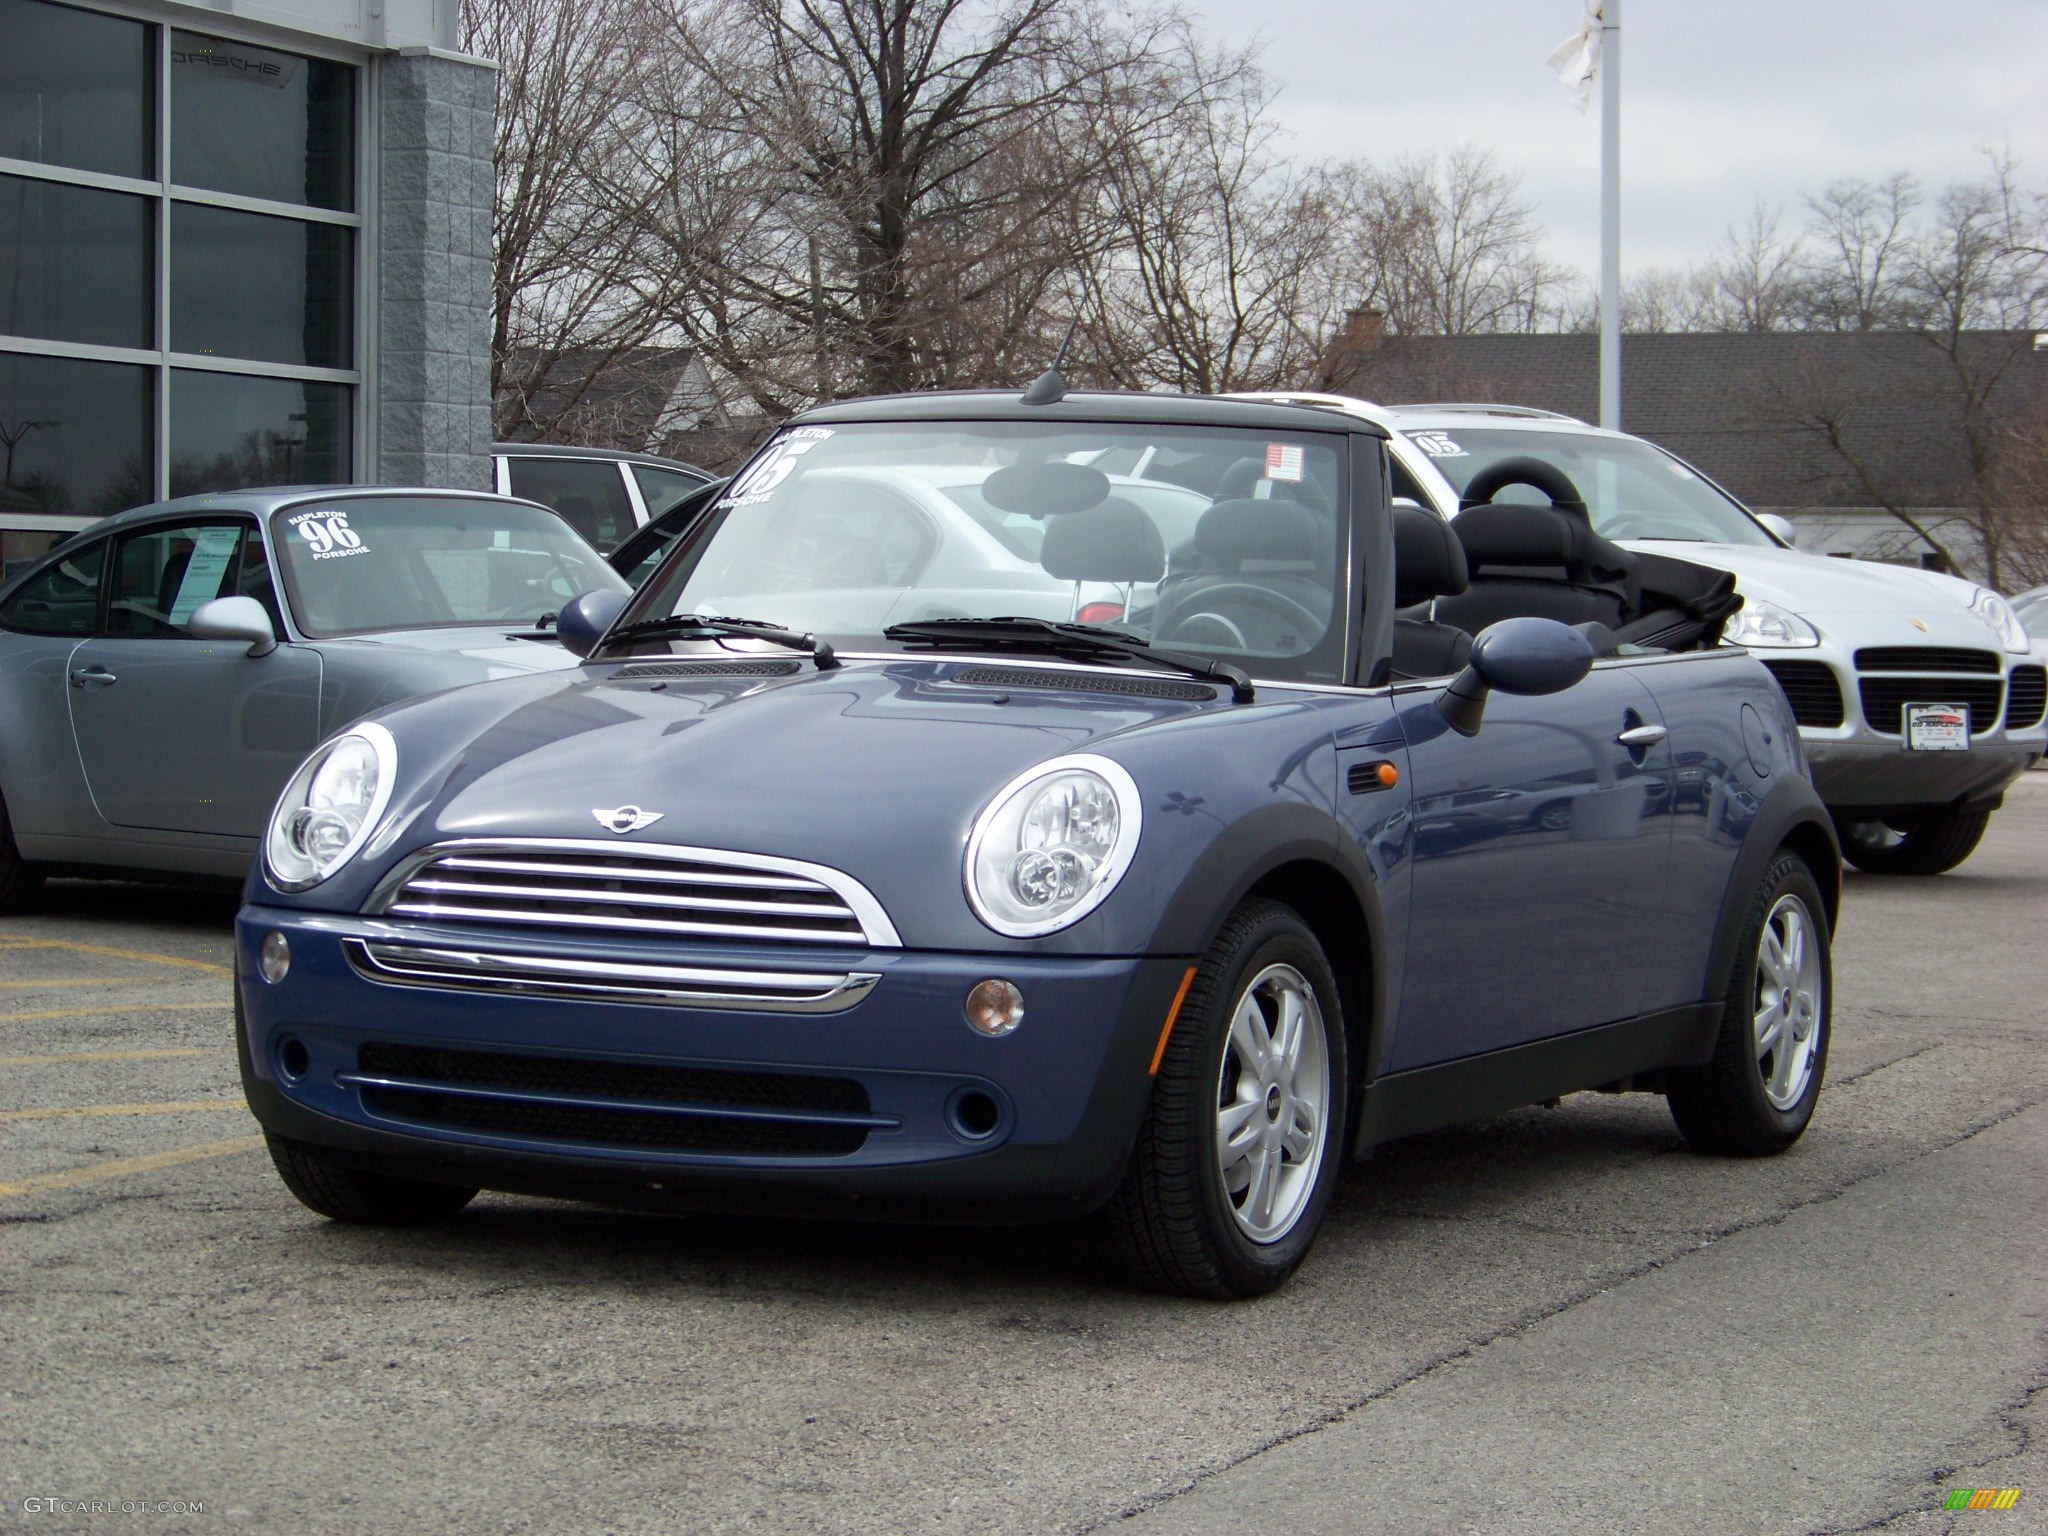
1791 813
1244 854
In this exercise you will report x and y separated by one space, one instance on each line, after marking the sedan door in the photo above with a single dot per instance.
176 733
1539 852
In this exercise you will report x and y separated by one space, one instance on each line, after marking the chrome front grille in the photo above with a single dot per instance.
591 980
645 890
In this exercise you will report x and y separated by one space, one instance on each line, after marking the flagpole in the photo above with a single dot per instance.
1610 215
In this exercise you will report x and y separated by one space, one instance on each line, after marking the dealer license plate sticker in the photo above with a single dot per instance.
1937 728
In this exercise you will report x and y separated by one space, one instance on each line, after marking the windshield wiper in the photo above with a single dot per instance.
705 626
1081 641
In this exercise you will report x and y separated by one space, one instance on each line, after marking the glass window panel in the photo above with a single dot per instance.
75 89
661 489
74 263
162 574
64 599
262 123
21 548
247 285
228 431
588 492
74 436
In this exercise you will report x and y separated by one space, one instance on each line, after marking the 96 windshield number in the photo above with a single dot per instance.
328 534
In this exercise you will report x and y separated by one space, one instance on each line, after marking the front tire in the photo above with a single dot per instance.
1757 1095
20 881
341 1193
1240 1147
1930 841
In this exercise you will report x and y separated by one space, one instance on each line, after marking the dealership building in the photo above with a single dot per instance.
240 243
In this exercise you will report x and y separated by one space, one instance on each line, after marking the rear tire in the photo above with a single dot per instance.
20 881
1757 1095
341 1193
1240 1147
1931 841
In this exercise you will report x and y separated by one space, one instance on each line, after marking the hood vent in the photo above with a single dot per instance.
706 669
1085 682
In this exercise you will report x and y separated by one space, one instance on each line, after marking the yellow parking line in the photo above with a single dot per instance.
193 1106
79 1013
119 1167
151 956
65 1056
85 981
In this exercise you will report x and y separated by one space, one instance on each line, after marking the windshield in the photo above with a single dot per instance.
1224 542
1632 490
362 563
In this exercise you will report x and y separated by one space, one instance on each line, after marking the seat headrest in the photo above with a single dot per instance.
1240 479
1547 478
1505 533
1113 542
1428 559
1234 531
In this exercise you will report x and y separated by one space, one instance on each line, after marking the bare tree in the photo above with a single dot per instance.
1753 281
1450 247
1863 247
570 300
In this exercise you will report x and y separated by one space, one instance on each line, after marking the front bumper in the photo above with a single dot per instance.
1068 1087
1862 763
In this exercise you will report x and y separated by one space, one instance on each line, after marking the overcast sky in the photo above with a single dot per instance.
1721 99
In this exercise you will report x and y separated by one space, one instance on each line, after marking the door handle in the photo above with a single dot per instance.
1637 737
98 677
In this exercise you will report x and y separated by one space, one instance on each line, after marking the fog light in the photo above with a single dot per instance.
995 1008
274 956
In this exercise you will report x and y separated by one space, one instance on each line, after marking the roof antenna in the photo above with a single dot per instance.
1049 388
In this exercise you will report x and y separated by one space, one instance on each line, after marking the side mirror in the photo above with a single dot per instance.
583 619
234 618
1782 526
1524 656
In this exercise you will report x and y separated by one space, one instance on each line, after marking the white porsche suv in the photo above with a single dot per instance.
1917 697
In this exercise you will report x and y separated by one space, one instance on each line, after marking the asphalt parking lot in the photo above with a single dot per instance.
1558 1320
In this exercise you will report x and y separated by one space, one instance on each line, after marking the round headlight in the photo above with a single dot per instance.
1766 624
1051 846
1997 612
330 808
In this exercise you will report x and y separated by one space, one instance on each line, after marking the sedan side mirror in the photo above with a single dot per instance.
1781 526
583 619
234 618
1525 656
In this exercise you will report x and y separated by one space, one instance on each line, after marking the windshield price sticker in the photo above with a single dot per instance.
762 481
1283 461
1437 445
1937 728
328 533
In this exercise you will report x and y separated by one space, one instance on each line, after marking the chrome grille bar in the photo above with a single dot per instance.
637 888
473 970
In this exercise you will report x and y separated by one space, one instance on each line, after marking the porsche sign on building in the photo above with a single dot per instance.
240 244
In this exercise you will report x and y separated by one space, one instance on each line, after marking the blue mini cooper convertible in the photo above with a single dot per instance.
1022 808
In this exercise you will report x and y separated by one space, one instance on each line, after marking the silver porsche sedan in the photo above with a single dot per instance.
164 672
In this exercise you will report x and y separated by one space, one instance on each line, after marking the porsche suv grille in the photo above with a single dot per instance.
644 890
1810 688
1885 699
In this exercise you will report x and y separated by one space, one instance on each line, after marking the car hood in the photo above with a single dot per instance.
1882 601
876 770
496 646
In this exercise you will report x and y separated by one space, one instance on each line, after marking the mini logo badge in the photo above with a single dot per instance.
627 818
1918 624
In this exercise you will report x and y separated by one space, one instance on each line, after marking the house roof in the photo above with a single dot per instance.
1753 411
601 398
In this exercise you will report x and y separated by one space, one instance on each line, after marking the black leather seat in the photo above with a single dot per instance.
1281 548
1537 562
1429 563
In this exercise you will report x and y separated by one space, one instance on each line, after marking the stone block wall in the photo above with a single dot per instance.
433 236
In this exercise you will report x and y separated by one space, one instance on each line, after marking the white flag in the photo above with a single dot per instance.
1576 60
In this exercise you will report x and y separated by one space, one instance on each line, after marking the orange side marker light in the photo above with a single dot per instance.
1389 775
1166 1034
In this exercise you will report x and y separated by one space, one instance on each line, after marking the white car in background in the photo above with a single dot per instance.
1918 696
